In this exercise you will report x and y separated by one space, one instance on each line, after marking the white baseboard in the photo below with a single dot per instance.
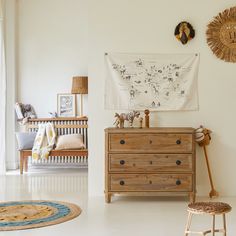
12 165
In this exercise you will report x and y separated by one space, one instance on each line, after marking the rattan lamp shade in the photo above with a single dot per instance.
80 85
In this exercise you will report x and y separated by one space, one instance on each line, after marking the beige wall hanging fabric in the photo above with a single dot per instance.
151 81
221 35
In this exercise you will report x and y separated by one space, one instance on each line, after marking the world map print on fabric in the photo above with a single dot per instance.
156 81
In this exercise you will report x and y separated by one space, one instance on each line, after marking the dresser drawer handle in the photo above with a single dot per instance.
122 182
122 141
178 182
178 142
178 162
122 162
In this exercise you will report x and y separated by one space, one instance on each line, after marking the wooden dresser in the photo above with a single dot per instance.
148 161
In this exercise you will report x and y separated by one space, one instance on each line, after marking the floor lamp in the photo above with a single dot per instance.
80 86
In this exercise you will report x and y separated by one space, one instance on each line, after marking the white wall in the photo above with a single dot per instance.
11 63
147 26
53 47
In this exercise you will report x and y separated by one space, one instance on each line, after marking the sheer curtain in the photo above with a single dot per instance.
2 96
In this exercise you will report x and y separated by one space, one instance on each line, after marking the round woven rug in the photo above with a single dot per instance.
34 214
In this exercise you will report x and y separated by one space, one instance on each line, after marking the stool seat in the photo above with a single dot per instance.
213 208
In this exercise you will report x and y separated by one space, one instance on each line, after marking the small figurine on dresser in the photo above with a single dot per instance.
146 112
121 118
140 122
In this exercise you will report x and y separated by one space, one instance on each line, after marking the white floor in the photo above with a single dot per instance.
126 216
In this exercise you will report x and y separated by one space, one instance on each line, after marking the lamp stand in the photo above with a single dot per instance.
76 108
81 105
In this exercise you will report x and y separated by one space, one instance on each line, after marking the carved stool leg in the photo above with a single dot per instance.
224 224
213 225
188 223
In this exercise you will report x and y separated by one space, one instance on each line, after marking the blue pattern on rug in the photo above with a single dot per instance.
62 212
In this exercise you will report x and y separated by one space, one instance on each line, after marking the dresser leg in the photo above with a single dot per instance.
192 197
108 197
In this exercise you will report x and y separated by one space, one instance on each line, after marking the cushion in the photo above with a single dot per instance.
70 141
25 140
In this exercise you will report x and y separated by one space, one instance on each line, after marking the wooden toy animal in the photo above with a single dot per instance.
203 138
121 118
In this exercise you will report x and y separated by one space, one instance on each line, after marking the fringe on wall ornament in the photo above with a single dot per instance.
221 35
203 138
184 32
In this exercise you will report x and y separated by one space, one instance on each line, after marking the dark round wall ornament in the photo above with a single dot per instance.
184 32
221 35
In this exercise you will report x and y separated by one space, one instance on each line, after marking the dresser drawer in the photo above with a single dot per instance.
151 182
149 143
150 162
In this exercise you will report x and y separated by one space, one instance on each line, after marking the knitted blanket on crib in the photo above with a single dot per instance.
44 141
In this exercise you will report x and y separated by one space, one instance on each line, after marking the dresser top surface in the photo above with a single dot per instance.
155 130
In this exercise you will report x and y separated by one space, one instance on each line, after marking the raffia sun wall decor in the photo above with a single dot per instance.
221 35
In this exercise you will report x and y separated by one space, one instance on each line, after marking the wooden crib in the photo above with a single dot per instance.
62 126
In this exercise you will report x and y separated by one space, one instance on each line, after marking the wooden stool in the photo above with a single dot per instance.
211 208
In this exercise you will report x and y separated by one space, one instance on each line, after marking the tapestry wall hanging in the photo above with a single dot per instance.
221 35
151 81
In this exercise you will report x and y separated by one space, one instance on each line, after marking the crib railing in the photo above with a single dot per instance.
62 126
